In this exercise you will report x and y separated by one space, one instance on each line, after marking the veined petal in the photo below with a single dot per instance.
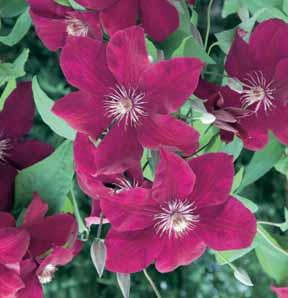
97 4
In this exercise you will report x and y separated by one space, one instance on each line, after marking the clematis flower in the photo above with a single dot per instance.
53 243
16 152
14 245
261 68
55 23
121 90
158 17
181 215
280 292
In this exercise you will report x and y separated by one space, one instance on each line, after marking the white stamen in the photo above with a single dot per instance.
76 27
5 147
125 184
47 274
257 91
176 219
125 104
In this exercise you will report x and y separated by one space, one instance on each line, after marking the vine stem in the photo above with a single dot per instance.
152 284
208 24
268 223
100 225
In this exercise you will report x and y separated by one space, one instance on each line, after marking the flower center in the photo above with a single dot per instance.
127 105
5 147
176 219
76 27
47 274
257 91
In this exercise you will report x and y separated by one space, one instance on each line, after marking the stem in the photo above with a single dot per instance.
268 223
152 284
216 43
226 261
208 24
100 225
83 231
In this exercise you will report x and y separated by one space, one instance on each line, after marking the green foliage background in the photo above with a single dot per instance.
204 278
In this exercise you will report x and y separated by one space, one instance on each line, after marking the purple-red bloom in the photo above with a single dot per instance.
121 90
188 209
55 23
261 68
280 292
158 17
13 247
52 243
16 152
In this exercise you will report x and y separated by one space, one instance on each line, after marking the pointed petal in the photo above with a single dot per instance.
48 8
35 211
6 220
214 177
97 4
162 13
83 112
161 94
127 56
228 226
164 131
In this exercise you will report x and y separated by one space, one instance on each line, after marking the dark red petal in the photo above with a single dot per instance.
160 12
13 245
7 179
214 177
97 4
83 112
129 210
6 220
27 153
131 252
168 84
179 251
10 282
15 124
48 8
127 56
167 185
228 226
88 71
164 131
35 211
121 15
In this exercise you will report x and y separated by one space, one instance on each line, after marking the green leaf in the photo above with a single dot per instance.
271 256
285 7
225 39
12 8
9 88
262 161
237 180
284 225
44 105
10 71
190 47
229 256
52 178
234 148
63 2
152 50
230 7
19 30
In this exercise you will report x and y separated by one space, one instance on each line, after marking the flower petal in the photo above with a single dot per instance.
127 56
7 179
10 282
97 4
13 245
160 12
110 161
13 124
48 8
178 252
27 153
129 210
280 292
121 15
228 226
6 220
83 112
156 81
167 185
164 131
143 245
214 177
88 71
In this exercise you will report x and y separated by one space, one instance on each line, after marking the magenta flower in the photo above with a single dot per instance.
15 152
46 251
55 23
14 245
129 95
181 215
261 67
280 292
120 14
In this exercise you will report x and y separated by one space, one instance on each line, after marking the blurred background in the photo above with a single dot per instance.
202 279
